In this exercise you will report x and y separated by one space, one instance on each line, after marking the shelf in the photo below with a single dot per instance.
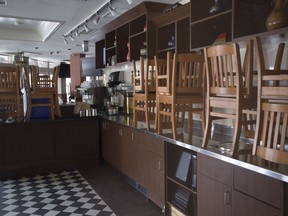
167 49
211 17
205 33
181 185
138 34
109 48
201 11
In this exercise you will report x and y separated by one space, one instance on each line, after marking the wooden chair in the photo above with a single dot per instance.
144 96
183 90
225 92
270 141
10 93
36 98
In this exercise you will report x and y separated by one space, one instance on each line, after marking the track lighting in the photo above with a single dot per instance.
86 28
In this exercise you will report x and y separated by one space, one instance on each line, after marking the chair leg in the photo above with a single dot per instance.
147 115
57 107
28 111
236 136
189 121
173 123
207 132
52 113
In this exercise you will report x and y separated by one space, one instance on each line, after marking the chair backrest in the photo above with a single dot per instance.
273 134
44 83
248 69
188 73
150 75
272 113
10 93
270 81
163 74
138 75
224 72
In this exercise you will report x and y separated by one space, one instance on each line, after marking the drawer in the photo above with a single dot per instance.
215 169
259 186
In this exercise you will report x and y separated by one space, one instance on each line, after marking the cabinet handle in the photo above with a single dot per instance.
104 125
120 132
160 165
227 198
132 136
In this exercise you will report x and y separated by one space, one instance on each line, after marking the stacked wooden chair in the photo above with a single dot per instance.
226 93
11 103
180 92
43 92
270 141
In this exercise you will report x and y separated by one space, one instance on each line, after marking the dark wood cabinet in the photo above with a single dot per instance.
156 170
172 31
99 54
35 147
131 32
226 189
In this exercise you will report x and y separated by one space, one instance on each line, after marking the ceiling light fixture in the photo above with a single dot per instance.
3 2
71 37
129 2
95 17
86 28
112 10
77 32
65 40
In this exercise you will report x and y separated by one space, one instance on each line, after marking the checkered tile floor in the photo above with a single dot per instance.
66 193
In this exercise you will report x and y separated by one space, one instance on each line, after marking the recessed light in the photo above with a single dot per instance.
3 2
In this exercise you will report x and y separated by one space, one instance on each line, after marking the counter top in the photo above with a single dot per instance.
216 148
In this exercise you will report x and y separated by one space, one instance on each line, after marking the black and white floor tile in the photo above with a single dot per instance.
66 193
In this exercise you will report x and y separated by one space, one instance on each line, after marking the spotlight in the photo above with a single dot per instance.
112 10
77 32
129 1
96 20
51 53
65 41
86 28
71 37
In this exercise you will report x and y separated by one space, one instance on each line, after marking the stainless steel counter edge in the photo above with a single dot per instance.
276 175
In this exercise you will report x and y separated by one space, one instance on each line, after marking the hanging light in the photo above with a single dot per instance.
96 20
86 28
65 41
71 37
112 10
77 32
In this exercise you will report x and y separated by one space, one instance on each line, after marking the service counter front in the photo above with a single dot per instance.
161 167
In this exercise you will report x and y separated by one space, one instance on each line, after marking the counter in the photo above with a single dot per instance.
193 142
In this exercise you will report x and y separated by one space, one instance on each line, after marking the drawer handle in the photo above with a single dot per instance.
227 198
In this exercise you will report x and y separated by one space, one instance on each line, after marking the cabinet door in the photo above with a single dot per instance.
156 185
248 206
141 157
156 174
127 152
213 197
108 139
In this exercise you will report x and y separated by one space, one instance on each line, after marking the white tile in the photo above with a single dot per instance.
92 212
83 200
30 210
70 209
52 213
49 206
87 205
12 214
10 208
47 200
28 198
67 203
29 204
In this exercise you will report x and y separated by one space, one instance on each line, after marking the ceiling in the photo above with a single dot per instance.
37 27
